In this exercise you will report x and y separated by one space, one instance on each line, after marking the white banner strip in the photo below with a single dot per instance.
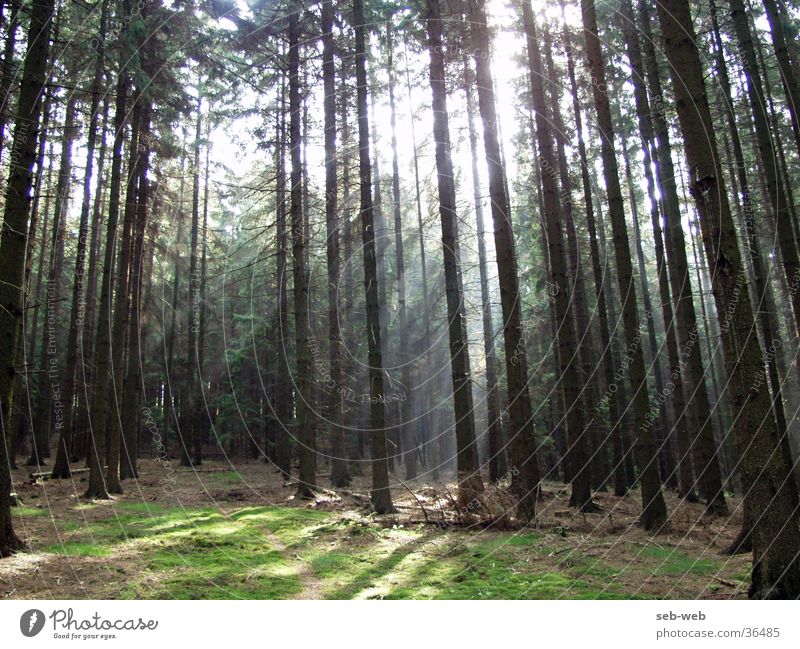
400 625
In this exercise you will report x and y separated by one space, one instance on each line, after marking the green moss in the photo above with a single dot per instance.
264 552
78 549
670 561
29 511
291 525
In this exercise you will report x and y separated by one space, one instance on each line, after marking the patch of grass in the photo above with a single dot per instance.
670 561
454 566
78 549
497 578
29 511
144 507
220 477
196 553
291 525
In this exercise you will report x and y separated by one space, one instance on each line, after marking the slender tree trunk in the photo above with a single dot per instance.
658 412
50 407
78 310
115 447
594 429
404 358
171 411
192 438
86 368
204 419
381 246
422 434
7 71
553 216
132 383
340 474
774 181
284 406
752 253
469 479
99 418
30 321
598 274
494 422
654 511
380 495
525 482
305 431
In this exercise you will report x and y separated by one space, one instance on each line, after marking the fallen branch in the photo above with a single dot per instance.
725 582
47 475
214 470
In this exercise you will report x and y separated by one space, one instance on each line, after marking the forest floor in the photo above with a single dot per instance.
227 533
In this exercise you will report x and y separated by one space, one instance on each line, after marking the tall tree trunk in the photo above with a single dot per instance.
658 412
469 479
381 496
340 474
654 510
191 437
30 322
305 431
204 420
595 429
285 396
525 482
7 71
564 323
78 310
99 409
381 247
496 460
172 396
422 433
599 268
13 238
765 472
405 357
86 369
133 370
50 406
115 443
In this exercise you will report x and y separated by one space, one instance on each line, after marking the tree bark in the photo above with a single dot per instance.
496 460
78 309
340 473
13 238
305 432
599 267
558 210
654 510
380 495
468 472
99 416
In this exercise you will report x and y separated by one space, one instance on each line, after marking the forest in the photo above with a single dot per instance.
364 299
